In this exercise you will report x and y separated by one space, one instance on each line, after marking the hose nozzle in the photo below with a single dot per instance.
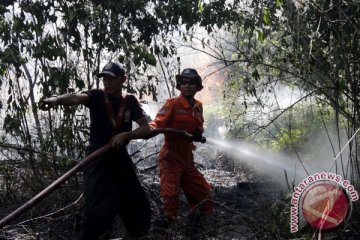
202 140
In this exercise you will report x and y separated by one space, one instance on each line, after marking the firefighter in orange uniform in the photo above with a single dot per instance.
176 160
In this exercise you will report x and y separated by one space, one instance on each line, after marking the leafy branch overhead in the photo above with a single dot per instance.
53 33
53 47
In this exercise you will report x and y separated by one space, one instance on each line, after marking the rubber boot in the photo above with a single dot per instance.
194 226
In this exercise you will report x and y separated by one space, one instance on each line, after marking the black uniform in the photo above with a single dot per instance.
111 186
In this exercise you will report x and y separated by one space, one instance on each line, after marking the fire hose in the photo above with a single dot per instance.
44 193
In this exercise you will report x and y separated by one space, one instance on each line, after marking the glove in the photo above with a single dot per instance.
197 135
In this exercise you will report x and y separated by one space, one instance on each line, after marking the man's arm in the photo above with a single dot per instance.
67 99
142 131
163 116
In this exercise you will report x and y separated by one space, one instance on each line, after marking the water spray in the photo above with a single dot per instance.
248 152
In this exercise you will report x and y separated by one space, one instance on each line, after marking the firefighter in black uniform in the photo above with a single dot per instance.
111 186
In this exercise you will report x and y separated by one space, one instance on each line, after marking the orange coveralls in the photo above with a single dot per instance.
177 169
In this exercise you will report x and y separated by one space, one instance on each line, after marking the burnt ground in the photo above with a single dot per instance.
244 210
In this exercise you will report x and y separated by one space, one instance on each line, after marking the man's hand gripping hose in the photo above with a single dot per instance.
195 137
44 193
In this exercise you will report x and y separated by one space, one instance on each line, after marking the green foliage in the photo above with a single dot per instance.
307 46
301 45
266 17
305 129
200 6
286 139
279 3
